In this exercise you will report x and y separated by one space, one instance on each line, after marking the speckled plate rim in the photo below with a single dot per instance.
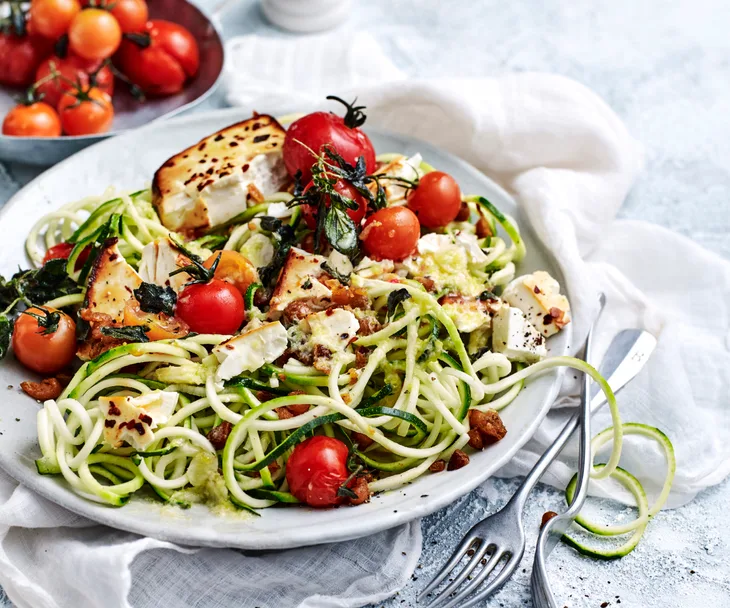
277 528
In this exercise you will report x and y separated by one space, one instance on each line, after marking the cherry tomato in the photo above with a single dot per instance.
131 14
233 268
437 199
73 68
162 326
33 120
94 34
162 67
309 212
86 112
313 131
45 353
391 233
19 58
316 469
51 18
63 251
211 308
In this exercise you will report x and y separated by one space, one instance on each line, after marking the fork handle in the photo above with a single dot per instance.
520 497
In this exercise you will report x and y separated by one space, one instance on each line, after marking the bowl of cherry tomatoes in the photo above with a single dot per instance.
75 71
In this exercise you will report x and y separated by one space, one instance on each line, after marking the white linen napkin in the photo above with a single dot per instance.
569 161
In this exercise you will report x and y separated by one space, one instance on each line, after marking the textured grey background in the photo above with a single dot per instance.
664 66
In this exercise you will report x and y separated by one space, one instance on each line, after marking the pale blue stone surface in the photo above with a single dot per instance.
664 66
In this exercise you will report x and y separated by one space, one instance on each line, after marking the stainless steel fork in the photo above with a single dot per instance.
637 346
502 534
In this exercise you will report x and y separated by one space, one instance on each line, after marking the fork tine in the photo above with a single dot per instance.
474 584
443 595
498 581
456 557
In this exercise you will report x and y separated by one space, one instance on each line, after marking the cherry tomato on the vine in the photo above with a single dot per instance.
161 59
316 469
391 233
309 212
234 268
86 112
74 69
32 120
39 349
437 199
51 18
20 57
310 133
94 33
215 307
131 14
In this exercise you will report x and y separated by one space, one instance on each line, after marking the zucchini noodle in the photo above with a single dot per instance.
399 396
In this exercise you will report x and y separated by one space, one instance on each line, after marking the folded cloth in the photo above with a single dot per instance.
569 162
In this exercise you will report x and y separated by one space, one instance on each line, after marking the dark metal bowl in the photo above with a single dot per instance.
128 112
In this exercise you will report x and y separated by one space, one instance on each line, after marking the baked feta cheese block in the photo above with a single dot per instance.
257 344
538 296
159 259
111 283
218 178
299 279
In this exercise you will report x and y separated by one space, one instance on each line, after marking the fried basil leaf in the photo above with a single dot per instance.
395 298
284 235
156 299
6 332
340 231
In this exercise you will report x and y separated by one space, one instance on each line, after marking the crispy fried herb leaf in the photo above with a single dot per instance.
37 286
395 298
6 331
341 231
136 333
284 235
49 282
156 299
487 295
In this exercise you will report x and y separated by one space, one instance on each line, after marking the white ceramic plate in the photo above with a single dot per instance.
128 162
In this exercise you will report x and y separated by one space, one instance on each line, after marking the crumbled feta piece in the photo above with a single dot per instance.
299 279
470 242
132 419
333 328
468 314
370 269
445 262
258 249
538 296
159 259
406 168
279 210
339 263
259 343
515 337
